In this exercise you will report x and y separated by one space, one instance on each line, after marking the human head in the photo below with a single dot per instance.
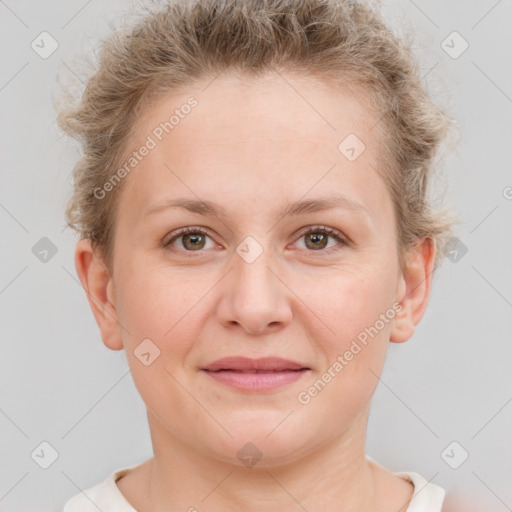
242 59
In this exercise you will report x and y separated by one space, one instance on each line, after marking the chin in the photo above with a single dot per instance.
260 439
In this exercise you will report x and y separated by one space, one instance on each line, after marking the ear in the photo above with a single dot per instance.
99 287
414 290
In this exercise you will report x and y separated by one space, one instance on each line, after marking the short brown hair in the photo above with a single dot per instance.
184 41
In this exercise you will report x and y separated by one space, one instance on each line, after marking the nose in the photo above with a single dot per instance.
255 295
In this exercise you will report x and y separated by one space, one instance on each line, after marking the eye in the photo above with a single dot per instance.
316 239
192 239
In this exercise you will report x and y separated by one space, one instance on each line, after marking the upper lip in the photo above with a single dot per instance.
248 364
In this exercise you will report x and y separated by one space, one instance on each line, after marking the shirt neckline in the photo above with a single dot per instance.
420 485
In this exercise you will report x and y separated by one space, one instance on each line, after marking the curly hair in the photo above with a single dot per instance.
179 42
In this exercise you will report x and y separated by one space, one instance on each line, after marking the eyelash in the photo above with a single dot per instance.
314 229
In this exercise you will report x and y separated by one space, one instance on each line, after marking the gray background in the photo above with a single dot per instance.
60 384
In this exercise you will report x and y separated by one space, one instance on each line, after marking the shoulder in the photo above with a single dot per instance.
103 496
427 496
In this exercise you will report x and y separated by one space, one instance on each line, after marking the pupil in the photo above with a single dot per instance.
315 237
192 237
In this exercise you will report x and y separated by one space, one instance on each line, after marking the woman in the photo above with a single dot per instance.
254 230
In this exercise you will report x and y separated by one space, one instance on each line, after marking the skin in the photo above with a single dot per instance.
254 146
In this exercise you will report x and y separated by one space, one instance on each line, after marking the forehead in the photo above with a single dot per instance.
273 104
277 136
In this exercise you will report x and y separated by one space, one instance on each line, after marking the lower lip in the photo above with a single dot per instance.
256 381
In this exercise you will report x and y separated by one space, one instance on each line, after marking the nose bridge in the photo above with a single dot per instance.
256 296
252 274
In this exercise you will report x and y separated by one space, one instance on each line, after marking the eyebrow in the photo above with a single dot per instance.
208 208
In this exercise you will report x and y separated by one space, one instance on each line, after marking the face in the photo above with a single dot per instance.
295 258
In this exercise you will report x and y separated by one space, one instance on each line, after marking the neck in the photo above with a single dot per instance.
335 476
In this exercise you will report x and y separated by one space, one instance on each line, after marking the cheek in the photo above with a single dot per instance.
164 312
350 301
353 340
357 308
156 305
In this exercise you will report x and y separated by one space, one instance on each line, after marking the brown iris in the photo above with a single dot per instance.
316 238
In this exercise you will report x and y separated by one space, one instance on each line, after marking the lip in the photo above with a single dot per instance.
247 364
264 374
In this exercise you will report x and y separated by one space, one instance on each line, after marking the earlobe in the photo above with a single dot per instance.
413 290
98 285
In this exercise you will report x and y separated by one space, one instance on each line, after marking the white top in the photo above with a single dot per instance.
107 497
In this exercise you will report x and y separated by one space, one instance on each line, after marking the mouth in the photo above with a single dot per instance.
255 371
255 375
246 364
